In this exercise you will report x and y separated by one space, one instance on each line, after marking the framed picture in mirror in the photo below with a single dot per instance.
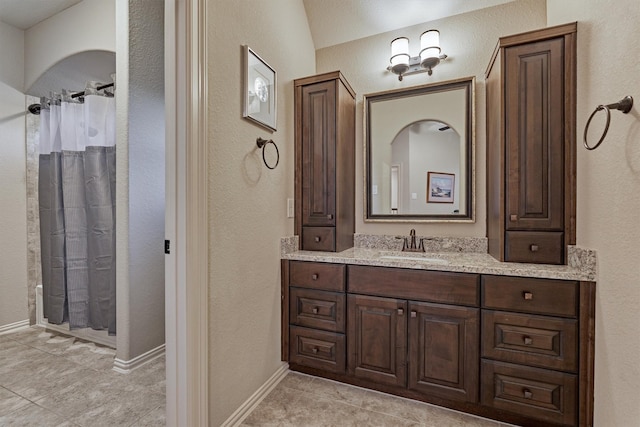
440 187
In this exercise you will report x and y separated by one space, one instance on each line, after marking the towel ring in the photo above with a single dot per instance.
262 143
624 105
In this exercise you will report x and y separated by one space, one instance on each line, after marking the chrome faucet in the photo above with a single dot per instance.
410 245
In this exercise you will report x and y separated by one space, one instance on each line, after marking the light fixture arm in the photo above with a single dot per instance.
415 67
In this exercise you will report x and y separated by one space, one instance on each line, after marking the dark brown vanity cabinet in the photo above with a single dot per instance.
537 348
515 349
325 162
317 304
421 341
531 164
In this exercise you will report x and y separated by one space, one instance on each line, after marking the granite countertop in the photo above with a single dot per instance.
446 256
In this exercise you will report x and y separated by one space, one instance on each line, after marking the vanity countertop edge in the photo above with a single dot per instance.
581 267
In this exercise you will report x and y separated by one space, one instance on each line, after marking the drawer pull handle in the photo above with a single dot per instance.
315 310
315 350
414 314
317 239
527 393
400 311
329 216
314 276
527 340
534 248
527 295
513 218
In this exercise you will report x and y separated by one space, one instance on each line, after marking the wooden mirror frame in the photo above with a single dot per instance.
469 192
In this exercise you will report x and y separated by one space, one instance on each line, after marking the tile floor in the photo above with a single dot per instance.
302 400
49 379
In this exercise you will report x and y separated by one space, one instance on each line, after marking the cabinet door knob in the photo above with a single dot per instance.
513 218
315 310
527 340
317 239
527 393
315 350
534 248
414 314
400 311
527 295
314 276
329 216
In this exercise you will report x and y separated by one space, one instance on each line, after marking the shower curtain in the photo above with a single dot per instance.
77 209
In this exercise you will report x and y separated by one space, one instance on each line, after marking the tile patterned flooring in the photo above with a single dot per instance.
49 379
302 400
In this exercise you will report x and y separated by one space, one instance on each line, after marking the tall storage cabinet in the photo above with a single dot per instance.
325 162
531 146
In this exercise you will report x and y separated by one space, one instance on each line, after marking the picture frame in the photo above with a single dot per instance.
260 94
440 186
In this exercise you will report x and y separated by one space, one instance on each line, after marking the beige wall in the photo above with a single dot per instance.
88 25
247 200
13 205
608 193
13 211
140 175
469 40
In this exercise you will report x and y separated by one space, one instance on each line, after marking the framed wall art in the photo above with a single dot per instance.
260 101
440 187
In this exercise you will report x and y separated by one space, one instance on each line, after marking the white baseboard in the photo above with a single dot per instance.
126 366
14 327
247 407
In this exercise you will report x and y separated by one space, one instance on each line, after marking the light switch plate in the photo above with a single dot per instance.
290 208
414 196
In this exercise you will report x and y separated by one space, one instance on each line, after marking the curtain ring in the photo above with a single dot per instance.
262 143
606 128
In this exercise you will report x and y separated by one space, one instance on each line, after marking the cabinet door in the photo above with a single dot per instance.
443 351
319 154
377 339
534 130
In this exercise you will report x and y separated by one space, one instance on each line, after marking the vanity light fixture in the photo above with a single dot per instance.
404 64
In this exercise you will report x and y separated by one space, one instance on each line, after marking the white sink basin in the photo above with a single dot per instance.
416 258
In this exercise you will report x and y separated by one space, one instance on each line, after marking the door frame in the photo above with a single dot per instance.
186 213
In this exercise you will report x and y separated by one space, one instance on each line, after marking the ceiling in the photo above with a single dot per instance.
25 14
338 21
331 21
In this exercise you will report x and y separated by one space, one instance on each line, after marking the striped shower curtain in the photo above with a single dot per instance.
77 209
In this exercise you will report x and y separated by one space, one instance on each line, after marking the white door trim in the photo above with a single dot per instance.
186 282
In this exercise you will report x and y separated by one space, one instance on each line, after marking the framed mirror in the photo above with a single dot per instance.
419 153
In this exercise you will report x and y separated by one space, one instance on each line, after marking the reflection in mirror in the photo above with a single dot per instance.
419 153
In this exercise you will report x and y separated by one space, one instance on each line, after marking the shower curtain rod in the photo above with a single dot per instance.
35 108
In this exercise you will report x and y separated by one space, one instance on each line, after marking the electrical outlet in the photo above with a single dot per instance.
290 208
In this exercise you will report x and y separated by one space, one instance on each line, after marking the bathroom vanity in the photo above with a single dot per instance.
512 342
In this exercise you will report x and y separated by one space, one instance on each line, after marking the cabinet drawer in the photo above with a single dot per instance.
317 349
319 239
431 286
328 277
542 247
317 309
537 393
540 296
548 342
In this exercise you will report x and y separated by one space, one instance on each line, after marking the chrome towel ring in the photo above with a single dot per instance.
262 143
624 105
